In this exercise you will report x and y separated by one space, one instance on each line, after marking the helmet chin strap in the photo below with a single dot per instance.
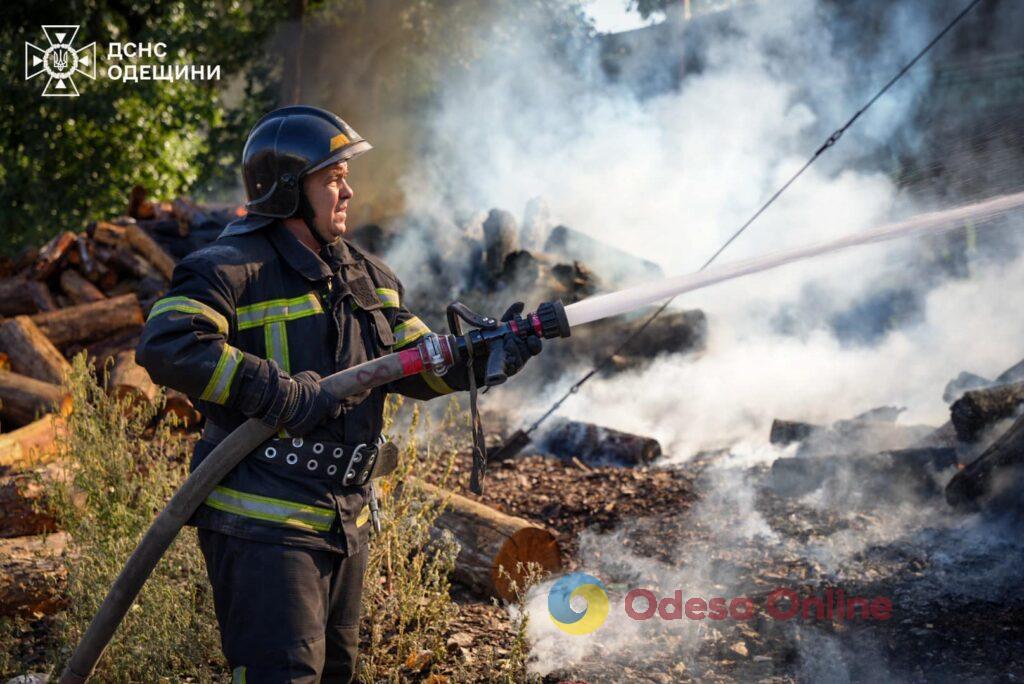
308 215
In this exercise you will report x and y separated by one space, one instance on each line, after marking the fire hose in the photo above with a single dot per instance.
439 353
433 353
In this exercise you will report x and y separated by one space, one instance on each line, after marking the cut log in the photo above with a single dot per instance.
51 254
993 477
23 504
142 243
127 262
41 295
179 405
491 542
24 399
32 575
130 380
93 321
788 431
978 409
32 445
80 290
15 297
31 352
106 233
599 446
105 351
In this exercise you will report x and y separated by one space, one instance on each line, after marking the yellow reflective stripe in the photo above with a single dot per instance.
409 331
219 386
273 310
275 336
189 306
271 510
364 515
238 675
388 297
436 383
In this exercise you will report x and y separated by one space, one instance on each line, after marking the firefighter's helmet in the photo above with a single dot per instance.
284 146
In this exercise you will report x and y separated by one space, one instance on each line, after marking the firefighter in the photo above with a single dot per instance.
249 326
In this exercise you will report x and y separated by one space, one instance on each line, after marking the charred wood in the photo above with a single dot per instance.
599 446
978 409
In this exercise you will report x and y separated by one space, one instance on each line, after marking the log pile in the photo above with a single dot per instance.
87 291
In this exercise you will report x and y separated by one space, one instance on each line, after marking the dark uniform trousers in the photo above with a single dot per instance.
283 537
286 613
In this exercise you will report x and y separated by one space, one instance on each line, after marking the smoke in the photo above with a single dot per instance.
669 177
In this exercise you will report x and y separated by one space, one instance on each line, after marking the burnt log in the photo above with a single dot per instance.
87 322
24 399
33 444
994 476
599 446
500 238
788 431
80 290
495 549
129 380
142 243
32 575
31 352
673 332
617 267
978 409
889 474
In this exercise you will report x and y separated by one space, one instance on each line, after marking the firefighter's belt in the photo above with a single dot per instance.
352 465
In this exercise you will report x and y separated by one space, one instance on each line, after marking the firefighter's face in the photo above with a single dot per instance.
328 193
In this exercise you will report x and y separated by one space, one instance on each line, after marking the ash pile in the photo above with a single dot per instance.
818 521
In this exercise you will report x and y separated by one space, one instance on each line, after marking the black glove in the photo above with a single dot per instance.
303 404
517 349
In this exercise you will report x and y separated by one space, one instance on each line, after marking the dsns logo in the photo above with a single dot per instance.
59 60
582 586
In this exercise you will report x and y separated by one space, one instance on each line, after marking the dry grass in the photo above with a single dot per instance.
124 470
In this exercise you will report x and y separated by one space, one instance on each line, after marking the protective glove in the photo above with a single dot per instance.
517 349
308 405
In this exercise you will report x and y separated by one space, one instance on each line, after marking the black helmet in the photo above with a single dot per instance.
284 146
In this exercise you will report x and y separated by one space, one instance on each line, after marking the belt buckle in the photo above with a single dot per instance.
358 472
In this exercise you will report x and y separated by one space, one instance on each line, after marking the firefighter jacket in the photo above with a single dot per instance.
242 313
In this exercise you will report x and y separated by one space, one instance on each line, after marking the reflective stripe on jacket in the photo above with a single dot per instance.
245 311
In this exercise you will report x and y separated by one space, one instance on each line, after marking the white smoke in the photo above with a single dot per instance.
669 178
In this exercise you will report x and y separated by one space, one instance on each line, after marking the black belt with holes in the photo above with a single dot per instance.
353 465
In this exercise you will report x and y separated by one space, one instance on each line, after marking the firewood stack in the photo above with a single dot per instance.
80 292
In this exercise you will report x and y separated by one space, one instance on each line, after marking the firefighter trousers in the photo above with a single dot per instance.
286 614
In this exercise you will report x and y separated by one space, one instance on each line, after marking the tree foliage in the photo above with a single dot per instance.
65 160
